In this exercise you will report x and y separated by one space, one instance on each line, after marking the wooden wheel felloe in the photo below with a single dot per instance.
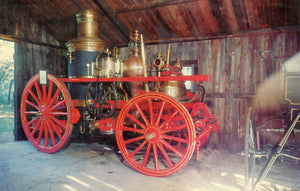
155 134
46 113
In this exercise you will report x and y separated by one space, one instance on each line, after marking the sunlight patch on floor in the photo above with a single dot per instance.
102 182
78 181
69 187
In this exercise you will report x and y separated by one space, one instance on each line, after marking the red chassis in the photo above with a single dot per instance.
155 133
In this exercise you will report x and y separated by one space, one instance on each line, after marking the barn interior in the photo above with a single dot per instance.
240 44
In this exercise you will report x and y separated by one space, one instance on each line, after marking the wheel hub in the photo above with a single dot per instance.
43 113
152 135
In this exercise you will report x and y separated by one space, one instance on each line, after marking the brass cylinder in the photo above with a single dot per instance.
87 33
88 23
175 89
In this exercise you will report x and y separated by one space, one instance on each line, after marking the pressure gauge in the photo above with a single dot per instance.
131 44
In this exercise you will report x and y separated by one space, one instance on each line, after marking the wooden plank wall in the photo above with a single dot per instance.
34 50
29 59
237 70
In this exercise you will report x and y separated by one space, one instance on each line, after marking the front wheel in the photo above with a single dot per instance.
155 134
46 113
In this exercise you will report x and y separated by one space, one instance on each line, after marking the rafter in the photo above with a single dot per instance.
152 5
110 14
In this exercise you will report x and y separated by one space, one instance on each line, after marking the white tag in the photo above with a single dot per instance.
43 77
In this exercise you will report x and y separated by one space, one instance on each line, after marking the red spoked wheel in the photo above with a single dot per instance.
46 113
155 134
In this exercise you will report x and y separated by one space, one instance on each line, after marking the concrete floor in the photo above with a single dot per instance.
96 166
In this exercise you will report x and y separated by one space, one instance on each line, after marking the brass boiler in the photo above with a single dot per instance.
83 51
175 89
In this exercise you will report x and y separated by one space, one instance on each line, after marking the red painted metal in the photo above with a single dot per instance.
46 113
203 121
155 133
157 129
75 115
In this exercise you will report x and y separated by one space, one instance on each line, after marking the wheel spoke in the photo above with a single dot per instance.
49 92
46 134
37 87
170 147
59 113
174 129
56 128
133 130
31 112
161 148
51 133
147 155
32 104
151 111
138 149
134 139
54 97
40 133
160 113
155 156
44 94
168 120
58 122
142 114
136 121
57 105
177 139
34 97
36 127
30 122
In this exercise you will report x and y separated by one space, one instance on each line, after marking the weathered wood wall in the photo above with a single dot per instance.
35 49
29 59
236 69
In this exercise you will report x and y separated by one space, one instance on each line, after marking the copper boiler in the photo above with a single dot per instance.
133 66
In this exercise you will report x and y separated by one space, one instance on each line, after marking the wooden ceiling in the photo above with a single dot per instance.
164 20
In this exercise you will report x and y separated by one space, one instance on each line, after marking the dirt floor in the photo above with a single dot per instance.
97 165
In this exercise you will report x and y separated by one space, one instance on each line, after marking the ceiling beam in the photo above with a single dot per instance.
110 14
265 31
56 21
15 38
152 5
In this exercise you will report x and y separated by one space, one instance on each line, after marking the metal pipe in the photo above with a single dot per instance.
144 63
168 54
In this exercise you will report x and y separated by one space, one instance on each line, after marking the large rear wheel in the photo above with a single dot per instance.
155 134
46 113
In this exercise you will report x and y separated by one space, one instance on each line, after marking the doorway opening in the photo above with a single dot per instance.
7 49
